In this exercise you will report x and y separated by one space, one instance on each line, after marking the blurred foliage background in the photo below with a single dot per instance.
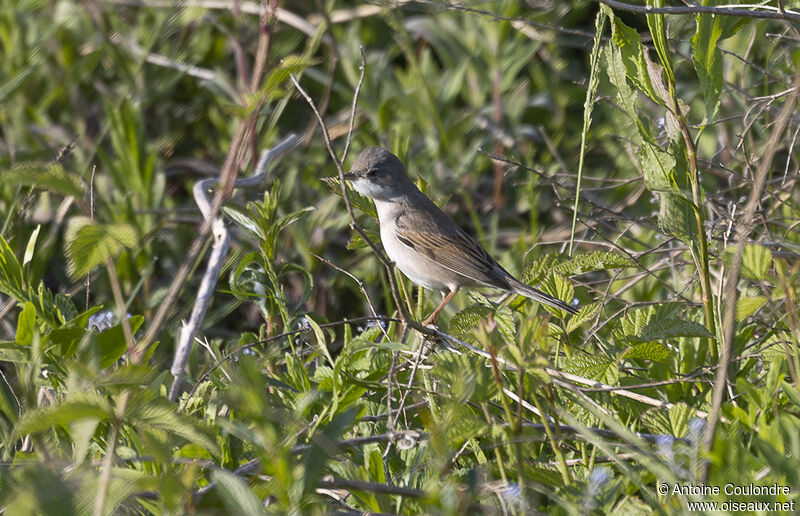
676 132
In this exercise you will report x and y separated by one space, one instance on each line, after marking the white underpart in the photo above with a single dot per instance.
368 188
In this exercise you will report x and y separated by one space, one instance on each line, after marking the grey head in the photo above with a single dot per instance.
380 175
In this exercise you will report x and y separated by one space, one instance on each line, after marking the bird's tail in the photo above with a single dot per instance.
537 295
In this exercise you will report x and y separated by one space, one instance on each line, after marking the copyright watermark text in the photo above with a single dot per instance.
696 492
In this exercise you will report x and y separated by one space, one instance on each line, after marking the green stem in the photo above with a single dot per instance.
705 276
562 463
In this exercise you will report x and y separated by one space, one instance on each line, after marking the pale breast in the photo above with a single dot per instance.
418 267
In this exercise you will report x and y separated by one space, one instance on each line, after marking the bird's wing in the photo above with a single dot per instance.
436 236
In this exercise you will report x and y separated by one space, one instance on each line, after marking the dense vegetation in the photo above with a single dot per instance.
643 165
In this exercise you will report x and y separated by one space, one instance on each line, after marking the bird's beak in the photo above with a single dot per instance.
349 176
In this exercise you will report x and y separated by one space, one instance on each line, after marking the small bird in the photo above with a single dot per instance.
423 242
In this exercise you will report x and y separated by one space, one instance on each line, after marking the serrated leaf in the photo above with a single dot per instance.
594 367
593 261
672 422
558 287
88 243
747 306
540 267
505 324
358 201
586 313
673 328
756 261
654 351
46 176
462 324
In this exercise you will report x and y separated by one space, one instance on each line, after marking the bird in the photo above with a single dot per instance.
423 242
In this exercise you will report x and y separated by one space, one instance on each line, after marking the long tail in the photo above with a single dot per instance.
537 295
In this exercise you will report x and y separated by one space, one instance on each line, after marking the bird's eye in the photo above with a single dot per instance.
373 172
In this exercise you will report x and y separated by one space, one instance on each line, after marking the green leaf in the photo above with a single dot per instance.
241 218
654 351
593 261
110 344
321 340
462 324
235 494
356 242
47 176
756 261
747 306
586 313
505 324
26 325
657 166
88 243
557 286
707 60
658 31
593 367
632 53
676 217
673 421
617 75
539 268
29 249
672 328
78 406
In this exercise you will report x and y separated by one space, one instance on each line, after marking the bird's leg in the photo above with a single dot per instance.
435 315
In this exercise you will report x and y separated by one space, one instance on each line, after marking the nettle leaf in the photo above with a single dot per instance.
594 261
46 176
672 422
462 324
756 261
658 329
632 53
747 306
88 243
505 324
557 286
586 313
594 367
676 218
636 319
655 351
539 267
26 325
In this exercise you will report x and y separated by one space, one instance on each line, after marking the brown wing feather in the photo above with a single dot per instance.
435 235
